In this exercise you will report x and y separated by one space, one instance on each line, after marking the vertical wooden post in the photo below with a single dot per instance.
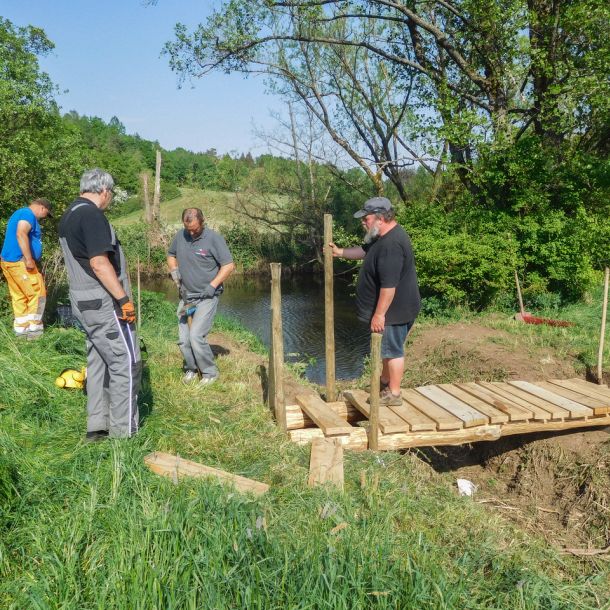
148 215
157 195
139 324
519 296
602 334
374 395
329 310
277 346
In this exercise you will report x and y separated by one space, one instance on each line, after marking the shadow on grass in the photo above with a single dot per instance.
219 350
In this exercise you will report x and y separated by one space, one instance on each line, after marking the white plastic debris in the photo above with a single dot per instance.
466 487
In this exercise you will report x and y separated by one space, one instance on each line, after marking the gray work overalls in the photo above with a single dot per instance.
114 366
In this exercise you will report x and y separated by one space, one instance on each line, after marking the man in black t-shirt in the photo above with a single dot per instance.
387 294
100 295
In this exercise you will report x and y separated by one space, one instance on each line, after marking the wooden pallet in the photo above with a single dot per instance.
454 414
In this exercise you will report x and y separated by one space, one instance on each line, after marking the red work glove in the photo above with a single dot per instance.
128 311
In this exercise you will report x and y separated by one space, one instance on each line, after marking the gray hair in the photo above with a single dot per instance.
387 215
96 181
191 214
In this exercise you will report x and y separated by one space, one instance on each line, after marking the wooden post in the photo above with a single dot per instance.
374 394
157 195
148 215
139 298
329 310
600 353
277 346
521 306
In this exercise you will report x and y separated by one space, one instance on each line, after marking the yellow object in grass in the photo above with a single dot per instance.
70 378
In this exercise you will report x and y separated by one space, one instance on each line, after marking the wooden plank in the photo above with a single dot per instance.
590 389
514 411
323 416
527 401
389 422
356 440
296 418
482 433
495 415
175 467
471 417
326 462
575 409
443 419
415 418
566 385
599 406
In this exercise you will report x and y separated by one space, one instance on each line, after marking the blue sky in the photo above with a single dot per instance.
107 59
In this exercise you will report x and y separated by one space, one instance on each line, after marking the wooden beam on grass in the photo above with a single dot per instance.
326 462
175 467
374 394
329 310
323 416
276 363
356 440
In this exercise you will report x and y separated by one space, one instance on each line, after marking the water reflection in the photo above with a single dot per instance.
248 300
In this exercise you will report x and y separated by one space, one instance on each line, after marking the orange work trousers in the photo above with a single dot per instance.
28 296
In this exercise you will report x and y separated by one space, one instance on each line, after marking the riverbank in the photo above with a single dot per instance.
89 526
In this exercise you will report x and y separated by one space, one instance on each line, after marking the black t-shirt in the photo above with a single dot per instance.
88 234
389 263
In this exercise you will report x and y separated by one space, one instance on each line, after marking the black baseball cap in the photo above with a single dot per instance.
374 205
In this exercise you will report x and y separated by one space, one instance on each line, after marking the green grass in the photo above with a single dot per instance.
89 527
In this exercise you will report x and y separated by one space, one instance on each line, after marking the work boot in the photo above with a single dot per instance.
206 381
96 435
387 399
189 377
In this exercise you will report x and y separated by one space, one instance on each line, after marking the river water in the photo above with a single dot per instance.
247 299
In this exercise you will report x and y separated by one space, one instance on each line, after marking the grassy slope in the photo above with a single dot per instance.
88 526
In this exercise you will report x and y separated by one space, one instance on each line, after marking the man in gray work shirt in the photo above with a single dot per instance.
199 262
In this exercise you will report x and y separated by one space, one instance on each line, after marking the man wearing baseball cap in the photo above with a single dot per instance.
21 254
387 293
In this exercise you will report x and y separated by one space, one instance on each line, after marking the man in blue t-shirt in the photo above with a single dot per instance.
21 254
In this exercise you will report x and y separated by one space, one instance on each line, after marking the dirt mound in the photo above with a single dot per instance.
472 352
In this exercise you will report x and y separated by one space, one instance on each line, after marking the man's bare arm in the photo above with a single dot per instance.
386 296
172 263
223 273
23 239
105 273
356 253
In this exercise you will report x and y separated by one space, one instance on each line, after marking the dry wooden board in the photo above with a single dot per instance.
323 416
514 411
326 462
389 422
599 406
495 415
415 418
471 417
591 389
175 467
541 410
443 419
603 402
356 440
296 418
575 409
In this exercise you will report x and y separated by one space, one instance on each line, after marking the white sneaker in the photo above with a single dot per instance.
189 377
206 381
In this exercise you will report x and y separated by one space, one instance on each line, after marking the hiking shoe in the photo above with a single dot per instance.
206 381
387 399
96 436
190 377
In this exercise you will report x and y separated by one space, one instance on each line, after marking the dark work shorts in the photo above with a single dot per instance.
393 340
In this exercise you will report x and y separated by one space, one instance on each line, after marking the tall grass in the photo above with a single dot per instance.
89 527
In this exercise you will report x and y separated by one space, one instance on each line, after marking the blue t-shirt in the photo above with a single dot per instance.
11 252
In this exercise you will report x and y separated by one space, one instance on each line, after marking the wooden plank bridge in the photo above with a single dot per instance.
453 414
